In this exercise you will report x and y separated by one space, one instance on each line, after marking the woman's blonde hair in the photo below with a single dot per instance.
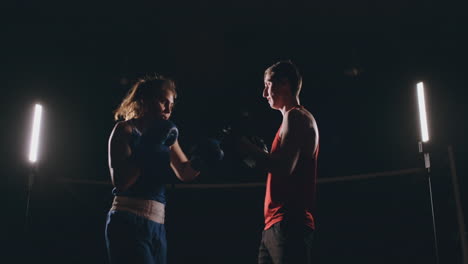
145 89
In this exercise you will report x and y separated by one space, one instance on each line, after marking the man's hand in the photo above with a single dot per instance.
252 149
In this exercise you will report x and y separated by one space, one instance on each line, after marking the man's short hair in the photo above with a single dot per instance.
286 71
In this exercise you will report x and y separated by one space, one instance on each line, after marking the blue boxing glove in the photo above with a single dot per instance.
155 140
160 132
205 154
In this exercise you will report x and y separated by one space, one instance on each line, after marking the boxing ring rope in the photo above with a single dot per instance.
411 171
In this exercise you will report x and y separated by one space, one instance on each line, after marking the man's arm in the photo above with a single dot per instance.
285 158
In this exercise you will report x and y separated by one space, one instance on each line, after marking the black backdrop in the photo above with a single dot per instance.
80 58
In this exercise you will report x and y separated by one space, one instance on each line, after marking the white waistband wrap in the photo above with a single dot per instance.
148 209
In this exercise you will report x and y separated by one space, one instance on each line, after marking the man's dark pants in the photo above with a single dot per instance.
285 243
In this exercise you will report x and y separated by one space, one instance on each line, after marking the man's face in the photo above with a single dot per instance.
163 106
272 91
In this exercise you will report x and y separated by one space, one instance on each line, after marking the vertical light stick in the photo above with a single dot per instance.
33 151
422 112
36 127
427 160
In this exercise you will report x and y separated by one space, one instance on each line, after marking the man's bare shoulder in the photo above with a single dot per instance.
301 117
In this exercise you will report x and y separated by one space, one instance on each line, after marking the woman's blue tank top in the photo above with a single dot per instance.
154 175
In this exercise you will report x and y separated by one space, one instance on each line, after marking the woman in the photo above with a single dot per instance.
144 155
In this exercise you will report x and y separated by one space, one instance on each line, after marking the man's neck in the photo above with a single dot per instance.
290 104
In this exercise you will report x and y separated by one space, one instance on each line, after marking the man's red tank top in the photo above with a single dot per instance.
292 196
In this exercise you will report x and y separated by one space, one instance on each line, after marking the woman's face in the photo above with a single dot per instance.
162 106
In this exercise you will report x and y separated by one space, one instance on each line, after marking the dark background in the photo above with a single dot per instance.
360 62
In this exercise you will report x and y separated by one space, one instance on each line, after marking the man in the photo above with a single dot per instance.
292 171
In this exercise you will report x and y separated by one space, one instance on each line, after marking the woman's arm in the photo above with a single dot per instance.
123 170
181 165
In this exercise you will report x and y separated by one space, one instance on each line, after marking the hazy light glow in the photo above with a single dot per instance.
422 112
35 133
